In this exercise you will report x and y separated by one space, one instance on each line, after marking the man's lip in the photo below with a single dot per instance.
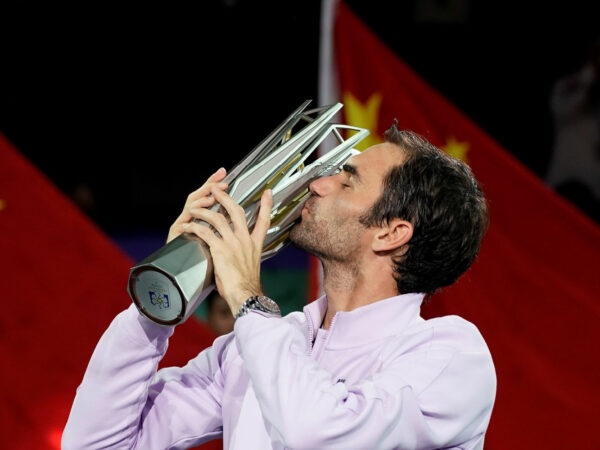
307 205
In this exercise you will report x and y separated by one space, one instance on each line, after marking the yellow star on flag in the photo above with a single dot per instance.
456 149
363 116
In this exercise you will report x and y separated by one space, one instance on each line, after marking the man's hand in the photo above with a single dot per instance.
200 198
236 251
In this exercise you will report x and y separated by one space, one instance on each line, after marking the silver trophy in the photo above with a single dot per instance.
168 285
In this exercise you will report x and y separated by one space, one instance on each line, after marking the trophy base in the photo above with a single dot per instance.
165 286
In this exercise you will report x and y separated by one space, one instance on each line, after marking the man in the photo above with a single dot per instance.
574 165
358 368
218 315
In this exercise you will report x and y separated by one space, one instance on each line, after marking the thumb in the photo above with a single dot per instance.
263 221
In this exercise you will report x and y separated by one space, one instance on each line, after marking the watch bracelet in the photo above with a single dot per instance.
254 303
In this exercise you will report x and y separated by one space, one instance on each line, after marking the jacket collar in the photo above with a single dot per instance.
373 321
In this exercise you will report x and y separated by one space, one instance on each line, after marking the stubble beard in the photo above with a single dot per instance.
334 239
304 236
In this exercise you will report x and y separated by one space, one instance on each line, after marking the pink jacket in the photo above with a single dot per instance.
381 377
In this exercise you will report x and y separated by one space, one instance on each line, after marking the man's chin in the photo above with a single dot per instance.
295 235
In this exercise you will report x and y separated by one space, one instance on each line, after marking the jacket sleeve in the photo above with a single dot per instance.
124 402
432 398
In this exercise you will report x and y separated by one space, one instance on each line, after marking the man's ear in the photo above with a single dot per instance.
392 235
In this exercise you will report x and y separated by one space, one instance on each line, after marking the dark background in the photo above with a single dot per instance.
139 104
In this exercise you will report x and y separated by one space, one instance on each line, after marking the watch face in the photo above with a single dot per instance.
268 304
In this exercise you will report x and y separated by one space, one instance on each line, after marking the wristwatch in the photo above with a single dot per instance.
259 303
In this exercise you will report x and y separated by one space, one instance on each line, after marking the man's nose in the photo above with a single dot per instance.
320 186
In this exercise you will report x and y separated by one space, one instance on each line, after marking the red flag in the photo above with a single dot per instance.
63 280
534 290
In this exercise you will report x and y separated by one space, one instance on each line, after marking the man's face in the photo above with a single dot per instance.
330 227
